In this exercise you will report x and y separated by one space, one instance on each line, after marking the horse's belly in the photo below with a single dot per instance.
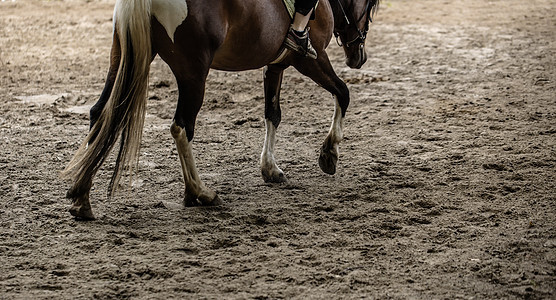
226 60
242 51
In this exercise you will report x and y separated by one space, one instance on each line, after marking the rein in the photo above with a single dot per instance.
362 34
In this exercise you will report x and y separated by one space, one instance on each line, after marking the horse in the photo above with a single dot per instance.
193 37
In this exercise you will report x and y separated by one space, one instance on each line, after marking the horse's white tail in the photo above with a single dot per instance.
124 112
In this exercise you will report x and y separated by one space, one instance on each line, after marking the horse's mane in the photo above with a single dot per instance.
374 7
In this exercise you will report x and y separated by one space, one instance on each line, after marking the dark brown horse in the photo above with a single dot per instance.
193 36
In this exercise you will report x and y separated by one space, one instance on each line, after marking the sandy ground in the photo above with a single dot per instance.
445 187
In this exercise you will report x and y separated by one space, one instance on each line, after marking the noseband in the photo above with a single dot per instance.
362 34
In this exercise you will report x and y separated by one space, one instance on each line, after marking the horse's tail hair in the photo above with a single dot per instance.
124 112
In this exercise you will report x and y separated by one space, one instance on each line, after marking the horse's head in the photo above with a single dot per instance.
351 24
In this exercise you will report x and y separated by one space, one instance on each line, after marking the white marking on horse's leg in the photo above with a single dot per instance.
192 182
194 187
269 168
170 13
335 134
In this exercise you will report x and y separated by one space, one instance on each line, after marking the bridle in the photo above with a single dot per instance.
362 34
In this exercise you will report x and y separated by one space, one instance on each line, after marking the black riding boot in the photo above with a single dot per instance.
300 43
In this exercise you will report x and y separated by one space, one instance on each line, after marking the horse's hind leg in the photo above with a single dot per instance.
191 93
195 191
272 82
115 55
79 192
323 74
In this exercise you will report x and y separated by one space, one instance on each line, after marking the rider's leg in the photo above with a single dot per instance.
298 35
300 21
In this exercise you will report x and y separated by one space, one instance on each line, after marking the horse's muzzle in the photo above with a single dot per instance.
356 59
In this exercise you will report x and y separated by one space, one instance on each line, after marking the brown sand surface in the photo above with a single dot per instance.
445 186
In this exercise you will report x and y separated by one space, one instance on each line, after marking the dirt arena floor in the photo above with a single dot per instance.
445 186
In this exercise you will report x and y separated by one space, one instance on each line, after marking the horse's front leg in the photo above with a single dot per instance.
321 71
273 115
329 153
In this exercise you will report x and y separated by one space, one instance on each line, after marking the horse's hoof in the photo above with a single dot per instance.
206 198
274 177
328 161
216 201
82 212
